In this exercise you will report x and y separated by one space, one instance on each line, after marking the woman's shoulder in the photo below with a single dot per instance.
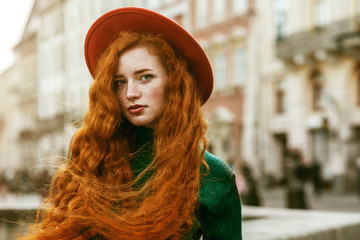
218 169
219 201
217 178
217 182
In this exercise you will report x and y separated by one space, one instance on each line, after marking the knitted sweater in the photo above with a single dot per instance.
219 209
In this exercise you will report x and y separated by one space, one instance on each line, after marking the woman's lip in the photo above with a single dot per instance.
134 109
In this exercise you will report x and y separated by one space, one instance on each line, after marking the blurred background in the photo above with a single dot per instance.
284 113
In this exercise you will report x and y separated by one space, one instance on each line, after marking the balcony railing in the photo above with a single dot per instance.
338 36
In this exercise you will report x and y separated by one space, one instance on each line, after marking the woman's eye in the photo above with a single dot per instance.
119 83
146 77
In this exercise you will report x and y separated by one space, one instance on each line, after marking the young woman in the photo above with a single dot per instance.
137 168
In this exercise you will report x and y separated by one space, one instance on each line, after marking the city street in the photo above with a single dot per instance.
327 201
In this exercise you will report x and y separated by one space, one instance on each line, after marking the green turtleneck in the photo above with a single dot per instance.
219 209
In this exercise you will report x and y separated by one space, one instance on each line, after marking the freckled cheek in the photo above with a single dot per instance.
122 103
159 98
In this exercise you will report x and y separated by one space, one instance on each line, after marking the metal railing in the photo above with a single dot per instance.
329 38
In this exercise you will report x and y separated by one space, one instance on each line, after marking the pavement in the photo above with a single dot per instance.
327 201
262 223
332 216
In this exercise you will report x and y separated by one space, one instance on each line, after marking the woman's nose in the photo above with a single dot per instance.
133 91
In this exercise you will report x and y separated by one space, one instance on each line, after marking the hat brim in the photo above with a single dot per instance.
105 29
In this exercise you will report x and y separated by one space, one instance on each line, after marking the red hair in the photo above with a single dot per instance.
92 194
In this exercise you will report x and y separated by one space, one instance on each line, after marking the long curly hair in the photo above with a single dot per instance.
92 194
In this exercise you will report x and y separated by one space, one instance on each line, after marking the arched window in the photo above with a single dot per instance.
240 6
240 65
219 10
201 13
220 70
321 13
280 18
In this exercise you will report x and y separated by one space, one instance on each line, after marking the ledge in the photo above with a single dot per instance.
26 202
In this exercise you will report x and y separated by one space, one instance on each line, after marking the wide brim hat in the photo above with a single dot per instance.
106 29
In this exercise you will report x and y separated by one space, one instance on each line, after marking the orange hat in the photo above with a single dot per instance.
105 29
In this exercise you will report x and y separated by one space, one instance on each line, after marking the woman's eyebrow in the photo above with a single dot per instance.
118 76
142 70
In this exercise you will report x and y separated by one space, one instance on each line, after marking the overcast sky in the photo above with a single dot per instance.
13 18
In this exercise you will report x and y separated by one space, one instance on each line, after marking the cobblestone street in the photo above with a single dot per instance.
327 201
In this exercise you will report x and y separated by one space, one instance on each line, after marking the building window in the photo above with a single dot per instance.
111 4
220 70
153 4
321 13
358 89
142 3
226 144
239 66
280 7
358 84
218 10
201 13
280 96
240 6
320 139
317 84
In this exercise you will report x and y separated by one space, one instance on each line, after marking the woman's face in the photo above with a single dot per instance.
140 82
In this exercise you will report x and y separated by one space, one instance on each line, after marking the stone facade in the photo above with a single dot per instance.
313 92
9 125
19 101
223 29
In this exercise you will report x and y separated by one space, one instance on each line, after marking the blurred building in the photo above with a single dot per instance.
18 106
287 75
9 125
222 27
26 90
311 95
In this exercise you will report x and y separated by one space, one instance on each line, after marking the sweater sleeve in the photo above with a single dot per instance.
220 206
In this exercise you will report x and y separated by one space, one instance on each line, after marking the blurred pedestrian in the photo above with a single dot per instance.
137 168
316 177
296 176
251 195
